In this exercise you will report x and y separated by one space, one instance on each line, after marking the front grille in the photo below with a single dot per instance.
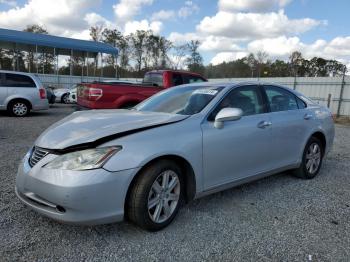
37 155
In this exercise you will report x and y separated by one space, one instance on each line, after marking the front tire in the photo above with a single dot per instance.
156 196
312 159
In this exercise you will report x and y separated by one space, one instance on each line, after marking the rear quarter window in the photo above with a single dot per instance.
16 80
301 103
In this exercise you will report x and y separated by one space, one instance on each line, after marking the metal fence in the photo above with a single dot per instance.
65 81
333 92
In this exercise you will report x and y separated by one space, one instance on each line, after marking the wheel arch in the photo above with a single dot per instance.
13 99
186 167
64 94
320 136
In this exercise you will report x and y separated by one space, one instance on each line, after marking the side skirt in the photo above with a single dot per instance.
245 180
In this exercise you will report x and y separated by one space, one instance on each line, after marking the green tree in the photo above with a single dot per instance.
195 61
179 55
335 68
29 56
138 42
116 39
251 62
295 60
96 34
279 68
261 58
158 48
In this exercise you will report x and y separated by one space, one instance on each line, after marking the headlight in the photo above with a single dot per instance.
83 160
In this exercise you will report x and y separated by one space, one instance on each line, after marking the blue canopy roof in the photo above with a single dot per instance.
63 44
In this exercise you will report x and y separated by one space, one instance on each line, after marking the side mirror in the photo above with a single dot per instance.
227 114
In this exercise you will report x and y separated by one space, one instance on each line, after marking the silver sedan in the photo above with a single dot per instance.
102 166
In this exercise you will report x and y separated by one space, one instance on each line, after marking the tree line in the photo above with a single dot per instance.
260 65
142 51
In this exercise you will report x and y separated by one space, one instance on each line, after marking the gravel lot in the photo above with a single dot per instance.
277 218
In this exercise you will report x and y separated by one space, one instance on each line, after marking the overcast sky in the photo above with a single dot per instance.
227 29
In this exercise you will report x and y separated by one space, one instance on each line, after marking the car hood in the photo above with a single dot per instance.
91 128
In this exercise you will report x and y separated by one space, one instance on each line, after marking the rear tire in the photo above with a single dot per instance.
19 108
156 196
312 159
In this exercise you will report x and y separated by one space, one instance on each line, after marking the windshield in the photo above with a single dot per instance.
187 100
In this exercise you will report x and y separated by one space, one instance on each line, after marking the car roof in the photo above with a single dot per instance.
15 72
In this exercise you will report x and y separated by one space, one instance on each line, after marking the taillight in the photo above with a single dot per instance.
94 93
42 93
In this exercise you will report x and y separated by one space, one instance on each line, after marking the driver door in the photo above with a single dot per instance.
241 148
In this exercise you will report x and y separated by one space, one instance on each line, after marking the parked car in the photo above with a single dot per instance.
111 94
21 93
50 95
102 166
72 97
62 94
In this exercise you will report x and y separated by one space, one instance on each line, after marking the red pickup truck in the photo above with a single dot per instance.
123 94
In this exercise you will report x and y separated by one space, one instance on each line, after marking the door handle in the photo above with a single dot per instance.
307 116
264 124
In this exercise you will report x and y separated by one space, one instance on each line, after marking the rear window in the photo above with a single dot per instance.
154 79
15 80
189 79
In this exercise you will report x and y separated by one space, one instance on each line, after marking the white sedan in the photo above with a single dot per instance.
72 97
62 94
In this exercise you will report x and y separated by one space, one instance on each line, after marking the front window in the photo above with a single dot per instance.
246 98
183 101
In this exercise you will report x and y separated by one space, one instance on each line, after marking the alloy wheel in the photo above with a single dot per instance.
313 158
164 196
20 109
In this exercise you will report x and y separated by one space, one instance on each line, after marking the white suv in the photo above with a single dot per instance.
21 92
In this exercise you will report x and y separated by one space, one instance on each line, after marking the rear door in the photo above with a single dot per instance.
3 91
290 125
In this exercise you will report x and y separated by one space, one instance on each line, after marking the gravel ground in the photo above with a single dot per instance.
277 218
